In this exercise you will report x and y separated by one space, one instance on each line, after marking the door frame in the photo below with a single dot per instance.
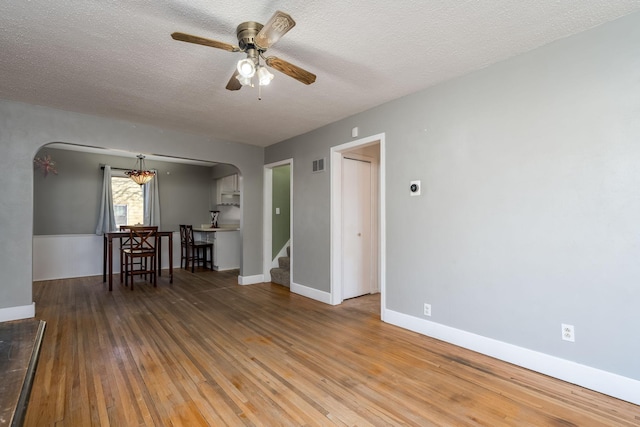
267 216
337 153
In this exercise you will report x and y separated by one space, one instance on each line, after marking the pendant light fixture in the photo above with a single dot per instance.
140 175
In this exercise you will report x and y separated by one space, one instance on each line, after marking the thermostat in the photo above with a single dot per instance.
414 188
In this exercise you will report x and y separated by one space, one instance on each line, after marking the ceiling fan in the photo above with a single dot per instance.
254 39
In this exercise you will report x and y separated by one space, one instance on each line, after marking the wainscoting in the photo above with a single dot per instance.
79 255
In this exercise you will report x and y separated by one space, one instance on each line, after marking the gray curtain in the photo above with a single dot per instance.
151 202
106 216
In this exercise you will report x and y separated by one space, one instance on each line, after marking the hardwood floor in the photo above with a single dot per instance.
205 351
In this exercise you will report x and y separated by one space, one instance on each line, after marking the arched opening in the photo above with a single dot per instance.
66 200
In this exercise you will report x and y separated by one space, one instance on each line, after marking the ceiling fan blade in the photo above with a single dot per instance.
206 42
279 24
234 83
291 70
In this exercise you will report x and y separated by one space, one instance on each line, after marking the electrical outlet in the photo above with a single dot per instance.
427 309
568 333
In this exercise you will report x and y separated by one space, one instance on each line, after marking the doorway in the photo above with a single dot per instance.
357 227
275 245
370 153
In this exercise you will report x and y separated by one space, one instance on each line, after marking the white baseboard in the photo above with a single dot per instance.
585 376
250 280
17 313
312 293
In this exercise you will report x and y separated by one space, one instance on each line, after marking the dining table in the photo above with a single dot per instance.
107 254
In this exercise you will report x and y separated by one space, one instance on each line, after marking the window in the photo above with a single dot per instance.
120 212
128 201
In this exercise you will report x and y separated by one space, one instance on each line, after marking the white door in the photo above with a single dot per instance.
356 228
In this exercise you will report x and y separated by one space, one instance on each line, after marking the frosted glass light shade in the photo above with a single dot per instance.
264 76
246 68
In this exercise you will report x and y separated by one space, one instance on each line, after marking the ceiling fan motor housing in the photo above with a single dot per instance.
247 32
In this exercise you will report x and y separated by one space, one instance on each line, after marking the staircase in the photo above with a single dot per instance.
281 275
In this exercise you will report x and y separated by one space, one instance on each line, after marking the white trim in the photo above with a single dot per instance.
336 217
585 376
312 293
267 218
250 280
19 312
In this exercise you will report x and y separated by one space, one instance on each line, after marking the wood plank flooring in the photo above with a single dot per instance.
205 351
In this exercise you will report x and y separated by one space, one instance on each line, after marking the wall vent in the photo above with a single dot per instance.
318 165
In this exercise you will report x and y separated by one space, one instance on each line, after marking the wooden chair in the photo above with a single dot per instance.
141 251
183 246
194 251
124 243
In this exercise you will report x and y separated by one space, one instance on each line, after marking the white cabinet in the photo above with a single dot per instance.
226 250
229 184
226 246
228 189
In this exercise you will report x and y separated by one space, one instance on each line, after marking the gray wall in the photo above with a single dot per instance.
69 202
24 129
311 201
530 213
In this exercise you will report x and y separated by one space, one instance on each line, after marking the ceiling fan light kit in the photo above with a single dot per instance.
254 39
244 81
264 76
246 68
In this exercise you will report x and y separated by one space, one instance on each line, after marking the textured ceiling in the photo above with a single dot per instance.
117 59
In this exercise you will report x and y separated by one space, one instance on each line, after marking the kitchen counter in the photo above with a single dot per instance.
209 229
226 245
